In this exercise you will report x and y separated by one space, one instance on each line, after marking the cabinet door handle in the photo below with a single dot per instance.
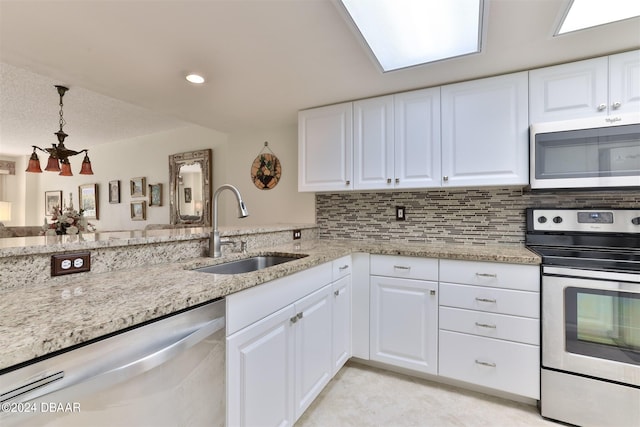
336 293
485 325
432 292
300 315
401 267
602 107
487 275
348 182
388 180
489 364
486 300
397 180
294 319
344 267
445 178
616 105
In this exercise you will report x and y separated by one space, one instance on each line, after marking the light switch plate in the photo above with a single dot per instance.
401 213
70 263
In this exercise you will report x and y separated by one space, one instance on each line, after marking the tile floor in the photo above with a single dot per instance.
362 396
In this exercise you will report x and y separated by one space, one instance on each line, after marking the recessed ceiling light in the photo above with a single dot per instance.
195 78
405 33
583 14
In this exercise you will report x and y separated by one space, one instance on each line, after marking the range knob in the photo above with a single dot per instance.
557 219
542 219
636 220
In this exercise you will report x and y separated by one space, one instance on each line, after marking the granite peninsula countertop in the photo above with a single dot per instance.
40 320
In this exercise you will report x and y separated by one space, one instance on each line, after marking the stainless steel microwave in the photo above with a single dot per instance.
600 152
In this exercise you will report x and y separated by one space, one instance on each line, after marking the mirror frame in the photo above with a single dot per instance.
203 158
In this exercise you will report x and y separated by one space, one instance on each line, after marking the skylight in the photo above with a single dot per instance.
404 33
590 13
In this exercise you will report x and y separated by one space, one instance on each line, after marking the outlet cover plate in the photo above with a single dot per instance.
70 263
297 234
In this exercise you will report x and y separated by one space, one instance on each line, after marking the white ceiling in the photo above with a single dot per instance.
124 62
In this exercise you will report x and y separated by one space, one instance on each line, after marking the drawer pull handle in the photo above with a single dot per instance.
401 267
495 276
344 267
489 364
493 301
294 319
485 325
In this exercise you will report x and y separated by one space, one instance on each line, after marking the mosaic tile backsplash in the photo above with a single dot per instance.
477 216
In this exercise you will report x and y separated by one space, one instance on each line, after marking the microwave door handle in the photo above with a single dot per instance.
109 377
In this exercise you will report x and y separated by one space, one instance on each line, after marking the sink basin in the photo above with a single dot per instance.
248 264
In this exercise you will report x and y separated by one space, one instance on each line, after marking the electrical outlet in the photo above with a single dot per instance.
297 234
70 263
401 213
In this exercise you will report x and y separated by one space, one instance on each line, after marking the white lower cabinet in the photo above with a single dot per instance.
490 325
260 372
313 341
278 364
404 314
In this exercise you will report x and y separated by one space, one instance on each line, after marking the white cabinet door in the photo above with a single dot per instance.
260 372
325 148
404 323
568 91
373 143
341 349
582 89
485 132
313 340
417 139
624 83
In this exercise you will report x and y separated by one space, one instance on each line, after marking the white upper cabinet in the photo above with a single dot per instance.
397 141
417 139
600 86
373 143
485 132
325 145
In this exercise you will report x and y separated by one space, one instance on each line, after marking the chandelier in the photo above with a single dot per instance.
59 154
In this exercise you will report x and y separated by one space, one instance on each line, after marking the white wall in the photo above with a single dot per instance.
281 204
148 157
12 189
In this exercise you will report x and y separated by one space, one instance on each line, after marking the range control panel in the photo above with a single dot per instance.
586 220
70 263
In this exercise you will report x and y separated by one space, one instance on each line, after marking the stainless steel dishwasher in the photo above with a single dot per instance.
170 372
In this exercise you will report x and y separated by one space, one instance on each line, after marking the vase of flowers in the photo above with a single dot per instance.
68 221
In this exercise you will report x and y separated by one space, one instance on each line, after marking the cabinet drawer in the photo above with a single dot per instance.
501 365
493 300
404 267
497 275
512 328
341 267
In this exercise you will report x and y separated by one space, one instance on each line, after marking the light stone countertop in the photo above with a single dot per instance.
37 321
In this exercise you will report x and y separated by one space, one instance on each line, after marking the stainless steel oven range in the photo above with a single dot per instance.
590 314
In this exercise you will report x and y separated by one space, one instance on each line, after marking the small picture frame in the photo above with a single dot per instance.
155 194
88 198
114 191
139 210
187 194
52 200
138 187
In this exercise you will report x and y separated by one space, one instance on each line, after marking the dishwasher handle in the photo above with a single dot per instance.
113 376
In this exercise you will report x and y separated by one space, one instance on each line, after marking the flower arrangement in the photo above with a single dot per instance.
69 221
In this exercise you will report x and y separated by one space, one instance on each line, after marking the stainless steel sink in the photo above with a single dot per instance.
248 264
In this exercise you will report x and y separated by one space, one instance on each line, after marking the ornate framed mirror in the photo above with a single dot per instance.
190 188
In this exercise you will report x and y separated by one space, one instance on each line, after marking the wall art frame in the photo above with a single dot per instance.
52 199
155 194
114 191
88 201
139 210
138 187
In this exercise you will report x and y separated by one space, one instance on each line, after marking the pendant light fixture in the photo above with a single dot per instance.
59 154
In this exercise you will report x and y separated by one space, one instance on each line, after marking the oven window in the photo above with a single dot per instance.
603 324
